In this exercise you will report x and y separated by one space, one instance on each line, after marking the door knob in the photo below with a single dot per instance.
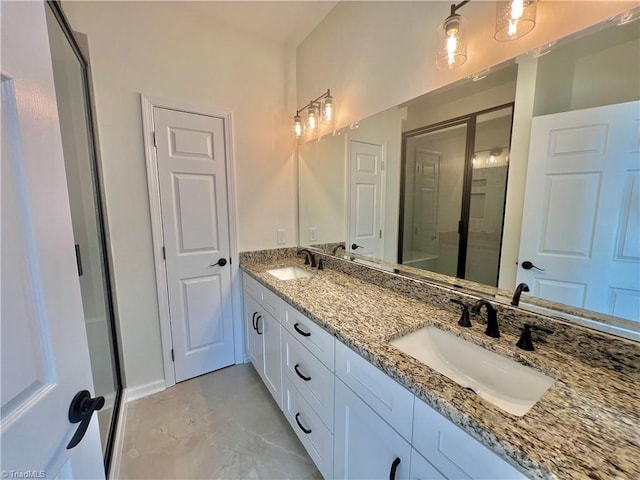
527 265
354 246
220 263
80 411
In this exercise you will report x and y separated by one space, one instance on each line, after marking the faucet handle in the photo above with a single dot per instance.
526 342
464 318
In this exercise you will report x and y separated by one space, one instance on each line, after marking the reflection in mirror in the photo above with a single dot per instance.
588 214
454 180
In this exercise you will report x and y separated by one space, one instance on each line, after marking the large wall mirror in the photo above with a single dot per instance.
526 173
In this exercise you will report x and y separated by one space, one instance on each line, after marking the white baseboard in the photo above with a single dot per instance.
118 441
145 390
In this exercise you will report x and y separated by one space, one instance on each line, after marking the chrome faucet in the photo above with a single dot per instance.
309 257
522 287
492 317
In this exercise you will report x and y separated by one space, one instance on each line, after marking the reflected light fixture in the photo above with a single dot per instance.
320 110
451 46
514 19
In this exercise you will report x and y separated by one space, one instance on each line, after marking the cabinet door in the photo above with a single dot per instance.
365 446
270 329
252 336
454 452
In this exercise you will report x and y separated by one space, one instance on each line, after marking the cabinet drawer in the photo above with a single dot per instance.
313 337
252 287
454 452
317 439
385 396
313 380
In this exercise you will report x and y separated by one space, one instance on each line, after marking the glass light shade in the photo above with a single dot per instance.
328 110
297 126
313 121
451 46
514 19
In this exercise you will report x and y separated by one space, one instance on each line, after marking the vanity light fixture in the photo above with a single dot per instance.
514 19
320 110
451 48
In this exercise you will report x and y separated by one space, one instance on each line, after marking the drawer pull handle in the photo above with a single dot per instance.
305 430
301 332
258 318
253 320
394 467
306 379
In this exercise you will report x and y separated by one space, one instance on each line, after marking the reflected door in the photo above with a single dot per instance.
581 219
365 176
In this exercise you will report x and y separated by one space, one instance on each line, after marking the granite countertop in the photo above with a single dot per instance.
585 426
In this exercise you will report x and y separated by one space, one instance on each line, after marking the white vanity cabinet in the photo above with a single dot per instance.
262 335
365 446
354 420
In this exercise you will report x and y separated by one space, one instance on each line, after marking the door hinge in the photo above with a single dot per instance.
380 234
382 165
155 143
164 253
173 357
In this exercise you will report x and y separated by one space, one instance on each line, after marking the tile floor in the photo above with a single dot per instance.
223 425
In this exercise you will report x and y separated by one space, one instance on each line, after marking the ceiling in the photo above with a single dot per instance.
286 22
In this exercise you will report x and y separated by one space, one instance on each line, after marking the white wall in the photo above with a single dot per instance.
374 55
162 49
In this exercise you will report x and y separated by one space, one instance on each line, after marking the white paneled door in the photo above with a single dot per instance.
365 198
195 222
45 358
581 219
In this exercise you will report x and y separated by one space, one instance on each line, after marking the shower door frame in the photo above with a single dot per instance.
58 13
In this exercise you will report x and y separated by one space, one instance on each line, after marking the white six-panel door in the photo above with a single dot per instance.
192 177
365 197
581 219
45 358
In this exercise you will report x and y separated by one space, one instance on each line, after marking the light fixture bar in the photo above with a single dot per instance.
317 113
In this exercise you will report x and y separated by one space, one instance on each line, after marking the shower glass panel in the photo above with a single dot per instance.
71 84
433 188
488 192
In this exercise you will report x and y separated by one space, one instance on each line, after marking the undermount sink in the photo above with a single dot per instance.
290 273
507 384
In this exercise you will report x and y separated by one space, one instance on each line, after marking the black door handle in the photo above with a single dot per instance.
394 467
253 320
527 265
301 332
80 411
355 246
220 263
303 377
305 430
258 318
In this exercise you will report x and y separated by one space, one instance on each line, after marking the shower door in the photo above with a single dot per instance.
73 103
453 190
